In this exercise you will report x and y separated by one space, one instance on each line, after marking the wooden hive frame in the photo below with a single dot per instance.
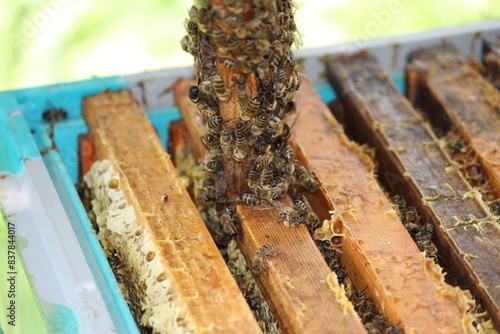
289 312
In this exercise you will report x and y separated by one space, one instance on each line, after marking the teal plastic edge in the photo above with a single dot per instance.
16 141
26 104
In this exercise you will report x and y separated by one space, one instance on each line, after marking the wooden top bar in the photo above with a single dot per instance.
202 286
413 163
377 250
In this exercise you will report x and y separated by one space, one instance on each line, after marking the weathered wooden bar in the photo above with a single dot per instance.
181 280
377 250
412 163
298 283
462 105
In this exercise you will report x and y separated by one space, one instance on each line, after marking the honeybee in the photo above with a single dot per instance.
194 93
206 87
211 143
260 124
262 146
214 124
267 175
253 176
251 199
306 179
228 218
191 27
220 88
291 215
242 91
220 39
263 161
251 109
236 66
208 191
235 48
243 129
276 126
212 166
54 115
302 206
206 112
275 192
226 140
264 73
259 260
270 100
241 147
288 153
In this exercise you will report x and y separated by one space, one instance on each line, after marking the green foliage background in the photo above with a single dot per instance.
51 41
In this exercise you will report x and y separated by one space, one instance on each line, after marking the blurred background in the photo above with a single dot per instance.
52 41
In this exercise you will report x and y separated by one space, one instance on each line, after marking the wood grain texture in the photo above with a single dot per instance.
296 282
458 99
201 281
412 163
377 249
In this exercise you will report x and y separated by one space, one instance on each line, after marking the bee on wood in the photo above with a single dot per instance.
267 176
206 112
194 93
54 115
288 153
243 129
251 109
212 166
306 179
263 161
227 219
236 66
259 261
214 124
251 199
242 91
302 206
253 176
275 192
264 73
211 143
270 101
206 87
208 191
237 51
262 146
241 147
220 88
291 215
226 140
220 39
259 125
276 126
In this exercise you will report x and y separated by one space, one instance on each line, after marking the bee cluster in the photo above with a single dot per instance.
421 232
246 81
